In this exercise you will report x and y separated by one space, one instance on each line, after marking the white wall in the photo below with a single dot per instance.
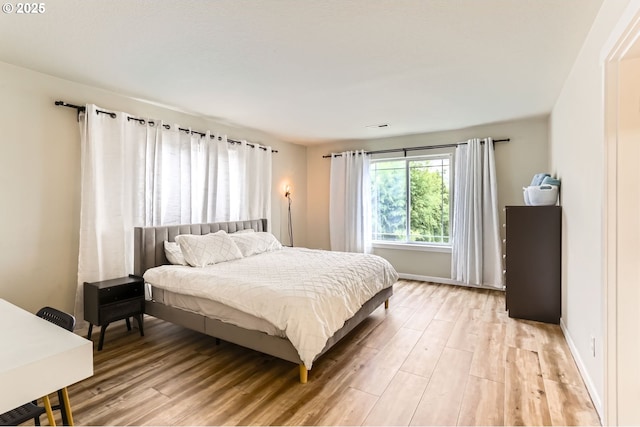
516 163
577 153
40 172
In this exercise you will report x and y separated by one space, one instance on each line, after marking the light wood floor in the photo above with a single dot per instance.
441 355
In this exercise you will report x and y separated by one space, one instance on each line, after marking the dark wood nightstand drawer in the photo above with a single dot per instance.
120 310
120 293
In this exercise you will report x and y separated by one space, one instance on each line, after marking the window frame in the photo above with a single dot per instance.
406 243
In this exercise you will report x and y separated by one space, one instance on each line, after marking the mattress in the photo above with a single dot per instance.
214 310
307 294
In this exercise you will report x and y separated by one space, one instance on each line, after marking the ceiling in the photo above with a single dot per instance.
312 71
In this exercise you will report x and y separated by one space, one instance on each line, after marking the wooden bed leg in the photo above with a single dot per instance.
386 304
303 374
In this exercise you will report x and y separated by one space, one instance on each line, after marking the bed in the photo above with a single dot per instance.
218 301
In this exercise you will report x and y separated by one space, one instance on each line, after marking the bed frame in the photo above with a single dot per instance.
149 252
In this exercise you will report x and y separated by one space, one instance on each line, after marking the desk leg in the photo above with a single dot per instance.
128 324
47 406
90 331
63 409
65 406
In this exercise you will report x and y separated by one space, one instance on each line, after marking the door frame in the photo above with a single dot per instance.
626 35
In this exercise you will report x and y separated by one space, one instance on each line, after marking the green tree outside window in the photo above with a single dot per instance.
427 201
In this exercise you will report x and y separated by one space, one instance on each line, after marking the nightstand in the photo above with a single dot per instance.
110 300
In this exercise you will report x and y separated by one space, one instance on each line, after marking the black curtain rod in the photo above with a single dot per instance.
424 147
80 109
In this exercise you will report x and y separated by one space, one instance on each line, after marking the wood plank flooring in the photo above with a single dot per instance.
441 355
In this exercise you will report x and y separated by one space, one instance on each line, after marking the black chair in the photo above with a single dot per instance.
57 317
22 414
31 410
68 322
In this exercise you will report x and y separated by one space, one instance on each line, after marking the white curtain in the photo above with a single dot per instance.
350 202
476 249
149 173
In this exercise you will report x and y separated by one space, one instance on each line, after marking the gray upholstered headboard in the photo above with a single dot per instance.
149 246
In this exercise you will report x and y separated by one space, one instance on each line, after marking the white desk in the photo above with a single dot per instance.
37 358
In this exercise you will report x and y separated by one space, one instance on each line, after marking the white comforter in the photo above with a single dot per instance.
306 293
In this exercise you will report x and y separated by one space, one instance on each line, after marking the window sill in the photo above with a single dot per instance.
412 247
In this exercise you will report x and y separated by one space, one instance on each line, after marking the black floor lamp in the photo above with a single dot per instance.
287 194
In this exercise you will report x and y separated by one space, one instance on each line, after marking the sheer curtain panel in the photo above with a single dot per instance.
113 156
476 249
148 173
349 202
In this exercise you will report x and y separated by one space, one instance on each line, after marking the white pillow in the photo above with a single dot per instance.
246 230
255 243
212 248
174 253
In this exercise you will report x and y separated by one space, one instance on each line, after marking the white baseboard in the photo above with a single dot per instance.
595 397
442 280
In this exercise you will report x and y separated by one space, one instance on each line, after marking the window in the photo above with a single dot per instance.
410 200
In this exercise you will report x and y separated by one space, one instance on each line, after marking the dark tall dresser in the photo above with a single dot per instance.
533 262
